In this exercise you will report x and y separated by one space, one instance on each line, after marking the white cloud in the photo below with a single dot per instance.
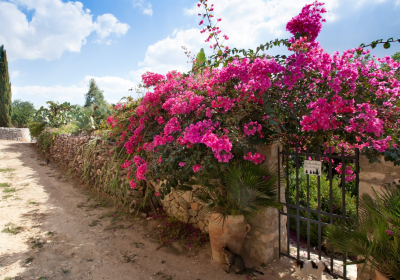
114 89
250 23
108 24
146 7
55 27
167 55
14 74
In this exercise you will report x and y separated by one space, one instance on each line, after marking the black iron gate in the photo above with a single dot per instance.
300 215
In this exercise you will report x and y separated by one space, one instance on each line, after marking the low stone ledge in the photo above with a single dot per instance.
18 134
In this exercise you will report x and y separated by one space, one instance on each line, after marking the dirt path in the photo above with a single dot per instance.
66 234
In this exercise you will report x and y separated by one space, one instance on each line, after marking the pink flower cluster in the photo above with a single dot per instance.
252 128
151 79
112 121
256 158
141 165
308 21
171 126
132 184
223 102
119 106
126 164
183 103
197 168
348 171
221 146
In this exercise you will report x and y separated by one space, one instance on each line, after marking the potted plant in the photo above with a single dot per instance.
376 238
233 196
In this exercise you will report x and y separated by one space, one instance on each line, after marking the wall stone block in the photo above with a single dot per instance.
18 134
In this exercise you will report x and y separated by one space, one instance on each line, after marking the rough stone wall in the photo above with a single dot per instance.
19 134
185 207
375 175
261 242
66 149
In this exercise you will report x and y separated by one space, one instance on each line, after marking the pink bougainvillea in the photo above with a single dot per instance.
132 184
256 158
214 115
348 171
197 168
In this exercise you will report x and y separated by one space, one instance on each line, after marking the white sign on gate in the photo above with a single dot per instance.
312 167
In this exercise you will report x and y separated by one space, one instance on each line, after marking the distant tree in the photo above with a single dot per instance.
396 56
23 111
5 91
94 95
200 59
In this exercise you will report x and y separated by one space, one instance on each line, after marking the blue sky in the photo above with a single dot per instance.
55 47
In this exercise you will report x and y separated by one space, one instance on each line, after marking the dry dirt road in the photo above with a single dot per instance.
52 228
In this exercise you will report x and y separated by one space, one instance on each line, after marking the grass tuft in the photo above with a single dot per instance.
12 229
9 190
7 170
4 185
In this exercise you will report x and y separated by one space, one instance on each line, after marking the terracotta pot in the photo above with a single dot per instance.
232 234
380 276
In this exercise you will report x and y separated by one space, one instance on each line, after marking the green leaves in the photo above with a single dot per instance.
373 44
376 238
240 188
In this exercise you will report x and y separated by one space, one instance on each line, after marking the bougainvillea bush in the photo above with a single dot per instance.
189 123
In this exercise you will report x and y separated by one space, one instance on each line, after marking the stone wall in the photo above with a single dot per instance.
375 175
98 170
185 207
19 134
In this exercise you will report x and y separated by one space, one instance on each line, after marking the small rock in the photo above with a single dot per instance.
192 213
187 196
195 206
183 203
201 225
166 204
182 215
142 215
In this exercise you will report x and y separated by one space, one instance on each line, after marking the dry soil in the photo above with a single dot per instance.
52 227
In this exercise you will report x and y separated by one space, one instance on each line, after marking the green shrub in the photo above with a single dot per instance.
375 239
46 140
36 128
351 203
72 127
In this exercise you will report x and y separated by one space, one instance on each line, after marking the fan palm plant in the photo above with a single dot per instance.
376 238
243 189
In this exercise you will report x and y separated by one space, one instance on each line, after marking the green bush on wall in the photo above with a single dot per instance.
35 128
351 203
46 140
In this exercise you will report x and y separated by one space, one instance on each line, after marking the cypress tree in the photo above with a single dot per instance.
5 91
94 95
